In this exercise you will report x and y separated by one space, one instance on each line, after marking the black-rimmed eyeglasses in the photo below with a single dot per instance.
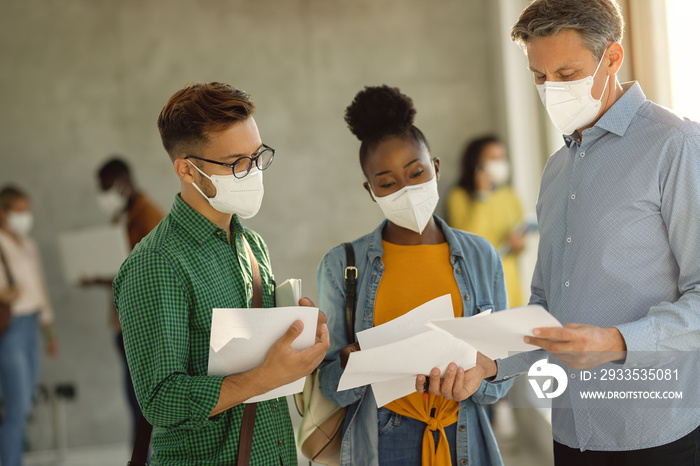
241 167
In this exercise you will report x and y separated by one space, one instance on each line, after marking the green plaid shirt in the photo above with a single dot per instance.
165 292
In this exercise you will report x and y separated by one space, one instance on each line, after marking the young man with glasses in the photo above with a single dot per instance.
199 258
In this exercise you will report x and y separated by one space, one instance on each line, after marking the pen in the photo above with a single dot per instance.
425 386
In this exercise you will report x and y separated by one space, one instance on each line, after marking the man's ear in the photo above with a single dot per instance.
436 164
615 55
184 170
366 185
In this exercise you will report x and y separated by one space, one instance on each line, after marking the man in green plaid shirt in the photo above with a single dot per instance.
195 260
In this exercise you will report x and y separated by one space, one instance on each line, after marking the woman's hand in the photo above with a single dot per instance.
516 242
345 353
458 384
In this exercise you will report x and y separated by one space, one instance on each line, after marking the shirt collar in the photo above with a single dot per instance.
197 225
618 117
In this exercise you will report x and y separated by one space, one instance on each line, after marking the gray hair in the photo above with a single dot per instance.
597 21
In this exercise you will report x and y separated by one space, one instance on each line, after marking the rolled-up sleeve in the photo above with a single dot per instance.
153 311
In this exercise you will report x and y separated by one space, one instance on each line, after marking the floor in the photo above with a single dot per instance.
516 450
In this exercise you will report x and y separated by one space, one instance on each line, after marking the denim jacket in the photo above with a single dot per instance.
479 275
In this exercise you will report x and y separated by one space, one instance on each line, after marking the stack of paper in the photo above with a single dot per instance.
288 293
429 336
240 339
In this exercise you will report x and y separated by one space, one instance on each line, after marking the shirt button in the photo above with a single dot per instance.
573 196
566 284
582 154
568 240
275 404
462 428
467 297
279 443
459 270
463 462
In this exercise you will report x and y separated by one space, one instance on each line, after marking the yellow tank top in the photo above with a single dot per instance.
412 276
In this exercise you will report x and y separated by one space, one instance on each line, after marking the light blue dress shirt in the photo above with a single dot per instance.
619 220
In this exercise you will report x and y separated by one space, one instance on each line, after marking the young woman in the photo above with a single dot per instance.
30 309
483 203
411 258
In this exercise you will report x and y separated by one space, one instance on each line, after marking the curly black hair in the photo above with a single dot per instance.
379 112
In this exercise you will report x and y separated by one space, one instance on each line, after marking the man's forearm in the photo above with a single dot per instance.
237 388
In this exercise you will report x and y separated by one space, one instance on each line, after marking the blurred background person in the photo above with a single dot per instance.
23 286
484 203
124 204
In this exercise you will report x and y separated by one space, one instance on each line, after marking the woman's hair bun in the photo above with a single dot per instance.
379 111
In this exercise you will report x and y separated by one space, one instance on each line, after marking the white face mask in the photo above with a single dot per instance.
570 104
242 197
20 222
111 201
412 206
498 170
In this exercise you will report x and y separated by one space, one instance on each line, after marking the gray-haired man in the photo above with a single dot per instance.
619 237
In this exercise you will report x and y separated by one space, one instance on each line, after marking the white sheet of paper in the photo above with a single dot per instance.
240 339
410 324
406 358
499 334
95 252
386 392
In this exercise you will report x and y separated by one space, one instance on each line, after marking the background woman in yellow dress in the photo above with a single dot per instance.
483 203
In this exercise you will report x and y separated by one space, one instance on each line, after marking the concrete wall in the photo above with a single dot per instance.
81 79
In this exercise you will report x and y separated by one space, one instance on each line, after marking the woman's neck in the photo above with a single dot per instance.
432 234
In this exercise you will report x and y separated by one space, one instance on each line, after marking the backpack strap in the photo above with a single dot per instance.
350 282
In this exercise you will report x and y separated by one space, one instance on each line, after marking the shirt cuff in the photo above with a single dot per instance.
638 335
517 364
203 393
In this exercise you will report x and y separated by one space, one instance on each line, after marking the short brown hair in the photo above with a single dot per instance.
197 110
597 21
9 194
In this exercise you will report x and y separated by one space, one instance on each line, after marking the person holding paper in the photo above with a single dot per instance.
201 257
483 203
125 204
23 287
619 235
411 258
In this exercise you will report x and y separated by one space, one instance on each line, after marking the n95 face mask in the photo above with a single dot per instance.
111 201
240 196
570 104
412 206
20 222
498 170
